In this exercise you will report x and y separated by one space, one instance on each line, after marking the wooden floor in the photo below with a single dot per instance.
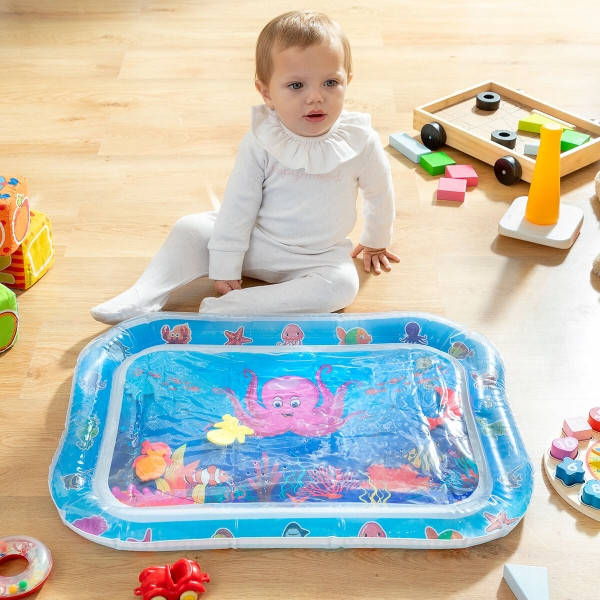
125 116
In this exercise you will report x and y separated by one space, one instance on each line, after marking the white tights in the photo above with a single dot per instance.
301 283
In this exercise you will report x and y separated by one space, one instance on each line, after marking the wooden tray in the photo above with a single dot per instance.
469 128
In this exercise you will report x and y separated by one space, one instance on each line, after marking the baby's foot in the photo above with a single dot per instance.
122 307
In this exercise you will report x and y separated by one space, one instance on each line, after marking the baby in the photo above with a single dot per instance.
290 201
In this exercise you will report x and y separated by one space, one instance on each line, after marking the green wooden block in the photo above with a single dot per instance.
572 139
435 163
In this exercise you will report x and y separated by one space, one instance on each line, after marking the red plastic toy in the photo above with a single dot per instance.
180 581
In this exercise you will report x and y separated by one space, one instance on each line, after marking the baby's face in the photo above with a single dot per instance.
307 87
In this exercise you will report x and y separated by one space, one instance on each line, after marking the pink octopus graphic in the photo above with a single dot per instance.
291 403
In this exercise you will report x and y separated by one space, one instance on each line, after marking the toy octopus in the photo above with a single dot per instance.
291 403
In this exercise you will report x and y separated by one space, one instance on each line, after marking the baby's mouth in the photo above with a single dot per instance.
315 117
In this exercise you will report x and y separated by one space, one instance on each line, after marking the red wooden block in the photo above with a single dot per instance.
594 416
463 172
451 189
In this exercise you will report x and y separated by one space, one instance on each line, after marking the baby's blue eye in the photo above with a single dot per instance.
295 86
331 83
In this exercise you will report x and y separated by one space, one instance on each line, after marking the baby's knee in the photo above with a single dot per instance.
198 225
339 288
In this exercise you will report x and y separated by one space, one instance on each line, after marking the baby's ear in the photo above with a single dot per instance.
263 90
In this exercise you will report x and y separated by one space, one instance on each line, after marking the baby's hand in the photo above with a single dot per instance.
375 256
224 287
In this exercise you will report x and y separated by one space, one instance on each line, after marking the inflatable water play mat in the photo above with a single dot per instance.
344 430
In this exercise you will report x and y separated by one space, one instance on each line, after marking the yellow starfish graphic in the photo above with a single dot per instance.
228 431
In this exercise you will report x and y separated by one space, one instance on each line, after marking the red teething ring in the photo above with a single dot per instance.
38 568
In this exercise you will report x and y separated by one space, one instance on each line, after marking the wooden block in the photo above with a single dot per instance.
594 418
590 494
572 139
14 213
534 122
33 257
564 447
451 189
527 583
408 146
466 172
9 318
435 163
578 428
570 472
553 118
532 148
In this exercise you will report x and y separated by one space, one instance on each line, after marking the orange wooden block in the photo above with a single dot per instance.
33 257
14 213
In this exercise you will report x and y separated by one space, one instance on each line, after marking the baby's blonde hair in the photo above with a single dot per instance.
301 28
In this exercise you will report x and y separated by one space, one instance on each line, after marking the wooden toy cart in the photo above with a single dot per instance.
457 121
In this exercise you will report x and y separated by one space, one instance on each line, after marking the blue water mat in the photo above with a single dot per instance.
381 430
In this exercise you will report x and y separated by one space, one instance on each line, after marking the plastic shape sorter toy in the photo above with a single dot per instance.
9 318
14 213
32 259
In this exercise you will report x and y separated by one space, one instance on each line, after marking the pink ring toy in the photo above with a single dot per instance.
38 568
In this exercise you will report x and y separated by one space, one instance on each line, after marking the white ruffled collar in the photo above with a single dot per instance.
316 155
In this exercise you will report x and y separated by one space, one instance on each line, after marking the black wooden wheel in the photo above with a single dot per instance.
433 135
507 170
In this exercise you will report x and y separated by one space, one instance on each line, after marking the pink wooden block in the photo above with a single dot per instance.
466 172
563 447
577 427
451 189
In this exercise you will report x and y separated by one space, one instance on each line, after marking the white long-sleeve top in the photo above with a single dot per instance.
302 191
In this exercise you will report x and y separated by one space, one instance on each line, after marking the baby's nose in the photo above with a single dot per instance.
314 95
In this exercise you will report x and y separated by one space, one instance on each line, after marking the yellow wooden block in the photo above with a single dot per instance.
533 123
34 256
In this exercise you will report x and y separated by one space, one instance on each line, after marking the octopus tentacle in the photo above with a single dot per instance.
251 400
254 422
325 391
238 409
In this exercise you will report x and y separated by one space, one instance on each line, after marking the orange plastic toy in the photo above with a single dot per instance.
32 259
543 201
14 213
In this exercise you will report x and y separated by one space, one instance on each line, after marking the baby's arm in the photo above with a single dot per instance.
377 257
379 211
230 236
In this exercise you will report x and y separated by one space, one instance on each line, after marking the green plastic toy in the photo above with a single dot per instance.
9 318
